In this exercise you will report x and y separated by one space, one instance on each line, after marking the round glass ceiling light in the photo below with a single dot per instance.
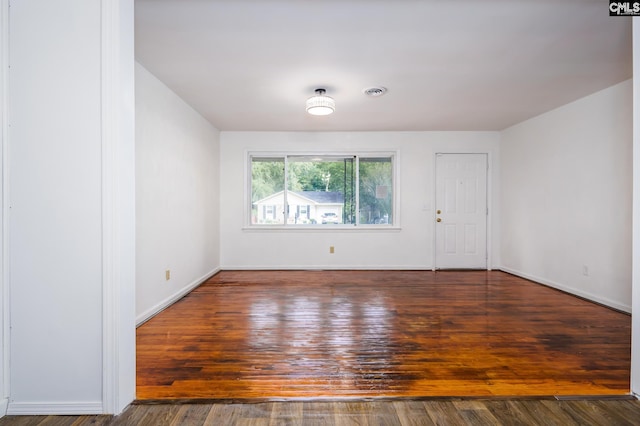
320 104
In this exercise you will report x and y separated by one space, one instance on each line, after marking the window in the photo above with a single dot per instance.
267 181
322 190
376 191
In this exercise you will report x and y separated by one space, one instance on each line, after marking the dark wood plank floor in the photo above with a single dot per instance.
462 412
368 334
546 412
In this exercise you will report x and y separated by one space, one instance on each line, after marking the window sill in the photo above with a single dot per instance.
322 228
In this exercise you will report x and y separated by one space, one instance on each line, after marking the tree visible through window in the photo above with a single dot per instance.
267 179
321 190
376 190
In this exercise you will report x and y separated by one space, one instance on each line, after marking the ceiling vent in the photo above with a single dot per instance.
375 91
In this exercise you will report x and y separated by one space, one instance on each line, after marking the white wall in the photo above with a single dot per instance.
635 326
62 192
177 196
55 182
410 247
4 284
566 197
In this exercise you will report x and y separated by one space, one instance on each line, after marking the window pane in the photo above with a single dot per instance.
267 191
320 190
376 190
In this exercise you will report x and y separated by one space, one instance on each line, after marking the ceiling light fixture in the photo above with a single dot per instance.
320 104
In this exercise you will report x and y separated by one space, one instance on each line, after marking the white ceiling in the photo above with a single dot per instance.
447 64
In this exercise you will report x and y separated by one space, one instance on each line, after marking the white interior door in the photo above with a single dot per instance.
461 211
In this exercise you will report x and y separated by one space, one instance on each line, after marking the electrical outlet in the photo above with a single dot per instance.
167 274
585 270
331 249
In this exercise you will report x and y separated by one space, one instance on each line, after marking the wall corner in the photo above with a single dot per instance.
118 204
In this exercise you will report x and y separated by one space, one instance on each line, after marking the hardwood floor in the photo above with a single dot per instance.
546 412
273 335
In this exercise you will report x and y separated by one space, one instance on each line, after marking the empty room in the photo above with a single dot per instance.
453 147
239 203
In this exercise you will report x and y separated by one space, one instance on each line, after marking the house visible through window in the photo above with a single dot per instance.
321 190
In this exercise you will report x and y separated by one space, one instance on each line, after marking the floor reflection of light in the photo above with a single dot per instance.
303 321
264 320
340 319
376 318
350 344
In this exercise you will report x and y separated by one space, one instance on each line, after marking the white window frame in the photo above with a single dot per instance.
394 155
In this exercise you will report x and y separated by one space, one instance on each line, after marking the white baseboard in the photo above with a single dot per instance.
54 408
164 304
327 268
586 295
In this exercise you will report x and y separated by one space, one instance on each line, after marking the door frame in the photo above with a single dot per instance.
4 210
490 205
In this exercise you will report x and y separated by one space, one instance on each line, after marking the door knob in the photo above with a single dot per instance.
438 220
438 211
